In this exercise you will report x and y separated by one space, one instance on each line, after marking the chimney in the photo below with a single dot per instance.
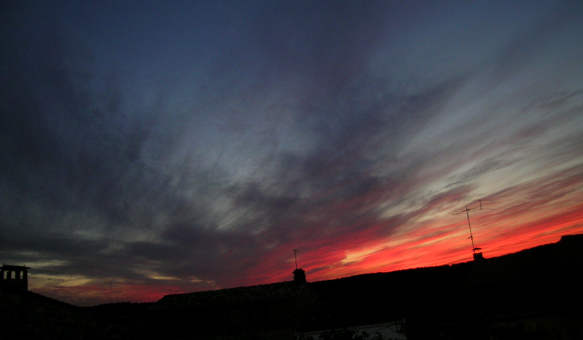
478 257
15 277
299 276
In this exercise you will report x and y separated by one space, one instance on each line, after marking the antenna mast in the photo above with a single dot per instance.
296 257
467 211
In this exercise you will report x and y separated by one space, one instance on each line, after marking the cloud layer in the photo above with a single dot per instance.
186 147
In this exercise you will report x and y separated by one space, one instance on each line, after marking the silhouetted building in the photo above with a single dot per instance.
270 311
533 294
483 298
299 276
478 256
15 277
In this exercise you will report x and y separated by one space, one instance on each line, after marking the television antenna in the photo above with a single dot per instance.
296 257
467 211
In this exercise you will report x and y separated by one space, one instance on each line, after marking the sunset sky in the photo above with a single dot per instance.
161 147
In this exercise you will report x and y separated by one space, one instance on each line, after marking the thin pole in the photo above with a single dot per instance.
470 226
296 257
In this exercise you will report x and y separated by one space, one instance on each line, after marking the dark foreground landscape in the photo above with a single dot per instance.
532 294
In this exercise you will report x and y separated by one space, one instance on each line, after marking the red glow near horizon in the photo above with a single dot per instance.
445 245
90 295
366 247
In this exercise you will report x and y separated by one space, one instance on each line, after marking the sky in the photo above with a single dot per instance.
151 148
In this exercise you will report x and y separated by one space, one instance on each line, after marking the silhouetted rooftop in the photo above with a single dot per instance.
13 267
229 296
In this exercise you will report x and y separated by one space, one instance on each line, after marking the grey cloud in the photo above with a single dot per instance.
47 244
159 252
69 146
484 167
